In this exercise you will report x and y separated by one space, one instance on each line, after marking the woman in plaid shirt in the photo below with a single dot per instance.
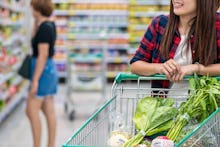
173 44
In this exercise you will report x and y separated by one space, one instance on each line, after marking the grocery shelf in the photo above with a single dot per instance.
135 38
86 60
149 2
13 42
138 27
13 8
10 106
90 12
147 14
6 94
97 24
95 36
62 74
13 38
16 66
10 23
141 13
5 77
117 59
101 46
112 74
60 61
17 81
91 1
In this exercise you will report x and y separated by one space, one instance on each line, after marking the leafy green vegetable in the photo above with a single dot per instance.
152 115
203 101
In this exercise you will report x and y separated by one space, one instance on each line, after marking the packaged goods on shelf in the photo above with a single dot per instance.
86 21
141 13
12 49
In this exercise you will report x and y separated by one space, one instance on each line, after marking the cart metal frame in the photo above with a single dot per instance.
117 114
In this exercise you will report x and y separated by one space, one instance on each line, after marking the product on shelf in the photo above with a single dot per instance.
87 21
12 49
140 15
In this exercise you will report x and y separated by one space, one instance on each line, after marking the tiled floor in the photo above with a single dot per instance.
15 130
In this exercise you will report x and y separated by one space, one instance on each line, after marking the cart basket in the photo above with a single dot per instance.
118 111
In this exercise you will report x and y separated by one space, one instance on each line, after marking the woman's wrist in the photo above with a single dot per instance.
159 68
197 68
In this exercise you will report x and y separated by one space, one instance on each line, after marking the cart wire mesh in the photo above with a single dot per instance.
117 114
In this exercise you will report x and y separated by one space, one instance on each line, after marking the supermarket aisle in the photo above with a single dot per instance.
15 131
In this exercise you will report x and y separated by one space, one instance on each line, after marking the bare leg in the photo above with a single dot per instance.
32 111
48 109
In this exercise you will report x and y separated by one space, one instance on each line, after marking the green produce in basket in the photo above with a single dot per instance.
202 102
152 115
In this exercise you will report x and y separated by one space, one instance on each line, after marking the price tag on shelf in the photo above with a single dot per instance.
132 38
90 74
111 74
132 13
131 27
71 24
97 60
133 2
70 1
117 60
71 12
71 36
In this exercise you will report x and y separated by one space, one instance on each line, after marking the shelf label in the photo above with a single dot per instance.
111 74
131 27
70 1
71 24
71 36
132 38
71 12
117 60
132 13
133 2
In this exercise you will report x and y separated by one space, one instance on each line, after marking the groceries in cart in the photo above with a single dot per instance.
159 124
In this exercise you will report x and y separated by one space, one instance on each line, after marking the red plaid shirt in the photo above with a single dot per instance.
149 46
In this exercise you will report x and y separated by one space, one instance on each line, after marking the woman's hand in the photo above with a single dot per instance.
170 68
185 70
34 88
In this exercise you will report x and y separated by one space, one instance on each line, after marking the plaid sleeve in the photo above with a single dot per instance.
144 51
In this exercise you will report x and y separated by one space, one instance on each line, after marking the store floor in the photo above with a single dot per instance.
15 130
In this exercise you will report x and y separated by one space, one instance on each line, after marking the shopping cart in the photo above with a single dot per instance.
117 114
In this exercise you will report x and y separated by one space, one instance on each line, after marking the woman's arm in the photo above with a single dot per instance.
145 68
169 68
43 51
211 70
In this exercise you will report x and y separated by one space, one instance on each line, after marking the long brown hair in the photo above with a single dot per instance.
202 28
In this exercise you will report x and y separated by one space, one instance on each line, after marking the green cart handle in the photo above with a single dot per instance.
128 76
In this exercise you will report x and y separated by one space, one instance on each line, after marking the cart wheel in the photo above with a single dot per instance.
65 107
72 115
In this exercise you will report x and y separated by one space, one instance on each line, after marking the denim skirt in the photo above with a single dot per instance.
47 85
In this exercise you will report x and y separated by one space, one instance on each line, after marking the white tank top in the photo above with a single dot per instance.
183 56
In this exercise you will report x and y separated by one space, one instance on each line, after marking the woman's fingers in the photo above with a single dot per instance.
170 68
177 77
